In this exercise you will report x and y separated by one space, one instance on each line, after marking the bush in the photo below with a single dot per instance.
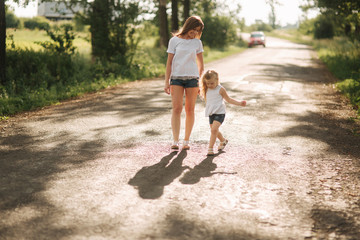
62 40
11 20
37 23
324 27
219 32
307 27
351 89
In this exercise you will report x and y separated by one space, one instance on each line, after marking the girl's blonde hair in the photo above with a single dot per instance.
209 75
190 24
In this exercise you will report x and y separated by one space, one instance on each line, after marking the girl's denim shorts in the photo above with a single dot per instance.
185 83
217 117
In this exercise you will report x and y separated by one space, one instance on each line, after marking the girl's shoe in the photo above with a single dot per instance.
186 145
210 152
222 145
175 145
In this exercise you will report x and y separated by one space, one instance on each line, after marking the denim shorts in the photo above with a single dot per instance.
216 117
188 83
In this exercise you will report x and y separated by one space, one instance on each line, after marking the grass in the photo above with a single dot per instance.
25 38
149 62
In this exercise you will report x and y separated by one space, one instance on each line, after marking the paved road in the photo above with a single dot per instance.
100 167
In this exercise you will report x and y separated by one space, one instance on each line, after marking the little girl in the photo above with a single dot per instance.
214 94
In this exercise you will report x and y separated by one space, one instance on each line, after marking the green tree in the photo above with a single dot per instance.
112 24
174 15
11 20
346 13
2 43
272 15
164 32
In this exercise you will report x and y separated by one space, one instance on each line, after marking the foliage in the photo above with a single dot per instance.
37 23
323 27
342 57
220 31
112 26
259 26
351 89
345 15
11 20
306 27
62 43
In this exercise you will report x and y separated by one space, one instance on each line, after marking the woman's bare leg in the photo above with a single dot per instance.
177 94
190 101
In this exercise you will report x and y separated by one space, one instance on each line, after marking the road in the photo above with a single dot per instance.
100 167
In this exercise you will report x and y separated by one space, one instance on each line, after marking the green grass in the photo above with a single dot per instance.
40 87
25 38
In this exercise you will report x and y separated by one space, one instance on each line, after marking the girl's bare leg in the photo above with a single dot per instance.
190 101
214 133
177 94
220 137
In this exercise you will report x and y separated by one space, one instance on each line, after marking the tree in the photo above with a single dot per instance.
272 15
2 43
164 33
346 13
174 15
186 9
99 18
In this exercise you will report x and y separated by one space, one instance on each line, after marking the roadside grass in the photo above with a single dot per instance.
25 38
37 87
340 55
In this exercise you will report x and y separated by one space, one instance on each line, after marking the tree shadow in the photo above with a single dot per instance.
151 180
327 221
204 169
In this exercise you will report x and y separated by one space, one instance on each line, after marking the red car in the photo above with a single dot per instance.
257 38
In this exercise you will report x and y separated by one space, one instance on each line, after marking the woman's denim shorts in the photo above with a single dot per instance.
216 117
185 83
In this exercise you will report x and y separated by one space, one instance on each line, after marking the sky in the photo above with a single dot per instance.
251 10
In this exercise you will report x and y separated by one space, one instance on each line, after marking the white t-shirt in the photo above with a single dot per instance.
214 102
184 61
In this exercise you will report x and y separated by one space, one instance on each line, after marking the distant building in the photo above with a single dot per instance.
57 10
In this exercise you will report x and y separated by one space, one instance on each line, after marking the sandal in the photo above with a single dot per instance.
222 145
210 152
175 145
186 145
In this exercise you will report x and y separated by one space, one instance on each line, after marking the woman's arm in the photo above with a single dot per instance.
200 62
230 100
168 72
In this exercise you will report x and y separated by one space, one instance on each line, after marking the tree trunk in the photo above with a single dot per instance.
174 15
2 43
357 31
186 9
100 43
347 29
164 32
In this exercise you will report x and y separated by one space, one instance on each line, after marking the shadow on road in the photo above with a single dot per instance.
151 180
203 169
327 221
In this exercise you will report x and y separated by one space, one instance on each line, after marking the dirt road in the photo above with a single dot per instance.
100 167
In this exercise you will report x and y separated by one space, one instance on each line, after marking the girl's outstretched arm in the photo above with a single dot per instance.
230 100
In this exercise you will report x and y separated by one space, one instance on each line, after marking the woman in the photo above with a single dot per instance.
183 68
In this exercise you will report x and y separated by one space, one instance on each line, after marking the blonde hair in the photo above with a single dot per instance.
209 75
190 24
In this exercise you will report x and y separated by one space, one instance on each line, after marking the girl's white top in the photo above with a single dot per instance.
214 102
184 61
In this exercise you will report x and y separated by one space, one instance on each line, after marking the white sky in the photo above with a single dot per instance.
288 12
